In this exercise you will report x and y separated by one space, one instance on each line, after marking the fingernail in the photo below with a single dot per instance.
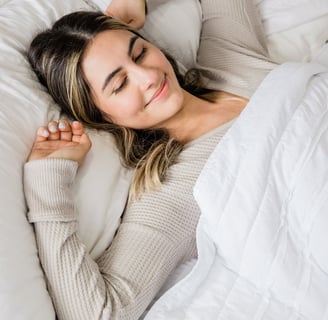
45 133
53 128
61 125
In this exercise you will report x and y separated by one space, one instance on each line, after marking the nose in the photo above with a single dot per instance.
146 77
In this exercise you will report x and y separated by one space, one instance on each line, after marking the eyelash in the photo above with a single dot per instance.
138 58
141 55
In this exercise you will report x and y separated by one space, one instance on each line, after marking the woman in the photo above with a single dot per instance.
105 75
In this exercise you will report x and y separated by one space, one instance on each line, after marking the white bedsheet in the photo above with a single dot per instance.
295 30
281 15
23 293
262 236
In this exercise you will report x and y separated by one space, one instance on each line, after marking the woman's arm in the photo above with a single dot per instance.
122 282
235 21
132 12
232 51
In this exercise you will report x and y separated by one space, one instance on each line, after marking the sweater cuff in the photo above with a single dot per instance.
48 189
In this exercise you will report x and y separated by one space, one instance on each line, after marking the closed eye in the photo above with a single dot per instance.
141 55
121 86
138 58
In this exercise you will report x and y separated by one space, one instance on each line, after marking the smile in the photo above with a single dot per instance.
161 92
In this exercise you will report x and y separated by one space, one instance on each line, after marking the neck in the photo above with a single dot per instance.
198 116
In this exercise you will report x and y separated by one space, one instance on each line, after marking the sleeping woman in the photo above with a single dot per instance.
104 75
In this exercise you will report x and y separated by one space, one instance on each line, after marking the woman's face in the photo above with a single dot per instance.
131 80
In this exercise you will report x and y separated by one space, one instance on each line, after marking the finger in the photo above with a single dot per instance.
42 134
77 130
85 141
65 130
53 130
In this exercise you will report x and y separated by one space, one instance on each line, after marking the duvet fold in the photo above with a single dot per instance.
262 236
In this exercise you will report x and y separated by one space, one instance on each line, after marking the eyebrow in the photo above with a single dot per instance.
116 71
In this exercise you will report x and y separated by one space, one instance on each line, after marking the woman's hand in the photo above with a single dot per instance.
61 140
132 12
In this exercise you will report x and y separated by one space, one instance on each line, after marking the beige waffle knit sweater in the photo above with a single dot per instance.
158 231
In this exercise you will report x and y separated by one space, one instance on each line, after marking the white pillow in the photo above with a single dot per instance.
179 37
295 30
102 183
301 43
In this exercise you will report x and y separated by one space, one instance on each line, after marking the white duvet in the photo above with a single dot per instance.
25 105
263 233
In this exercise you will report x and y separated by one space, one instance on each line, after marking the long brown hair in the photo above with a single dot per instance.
56 54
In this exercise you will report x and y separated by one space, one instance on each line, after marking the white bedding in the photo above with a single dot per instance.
262 236
295 29
102 183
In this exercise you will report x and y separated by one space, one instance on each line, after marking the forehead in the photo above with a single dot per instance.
109 40
105 53
108 48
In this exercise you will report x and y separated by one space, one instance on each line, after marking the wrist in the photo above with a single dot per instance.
48 189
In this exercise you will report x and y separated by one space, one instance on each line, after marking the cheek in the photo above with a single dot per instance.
122 106
177 101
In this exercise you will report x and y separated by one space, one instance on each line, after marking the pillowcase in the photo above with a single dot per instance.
180 37
295 30
102 184
300 43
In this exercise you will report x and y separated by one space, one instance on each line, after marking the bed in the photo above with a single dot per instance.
295 31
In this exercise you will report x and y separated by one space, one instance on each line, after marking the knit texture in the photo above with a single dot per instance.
158 231
157 234
232 55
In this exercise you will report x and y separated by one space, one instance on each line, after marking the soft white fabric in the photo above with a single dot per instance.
180 37
281 15
102 184
295 29
102 4
262 235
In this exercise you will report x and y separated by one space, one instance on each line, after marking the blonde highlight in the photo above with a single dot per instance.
56 56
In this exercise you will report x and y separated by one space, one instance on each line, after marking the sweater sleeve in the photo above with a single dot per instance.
124 280
232 52
236 21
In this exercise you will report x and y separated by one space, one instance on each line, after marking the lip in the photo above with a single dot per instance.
161 92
